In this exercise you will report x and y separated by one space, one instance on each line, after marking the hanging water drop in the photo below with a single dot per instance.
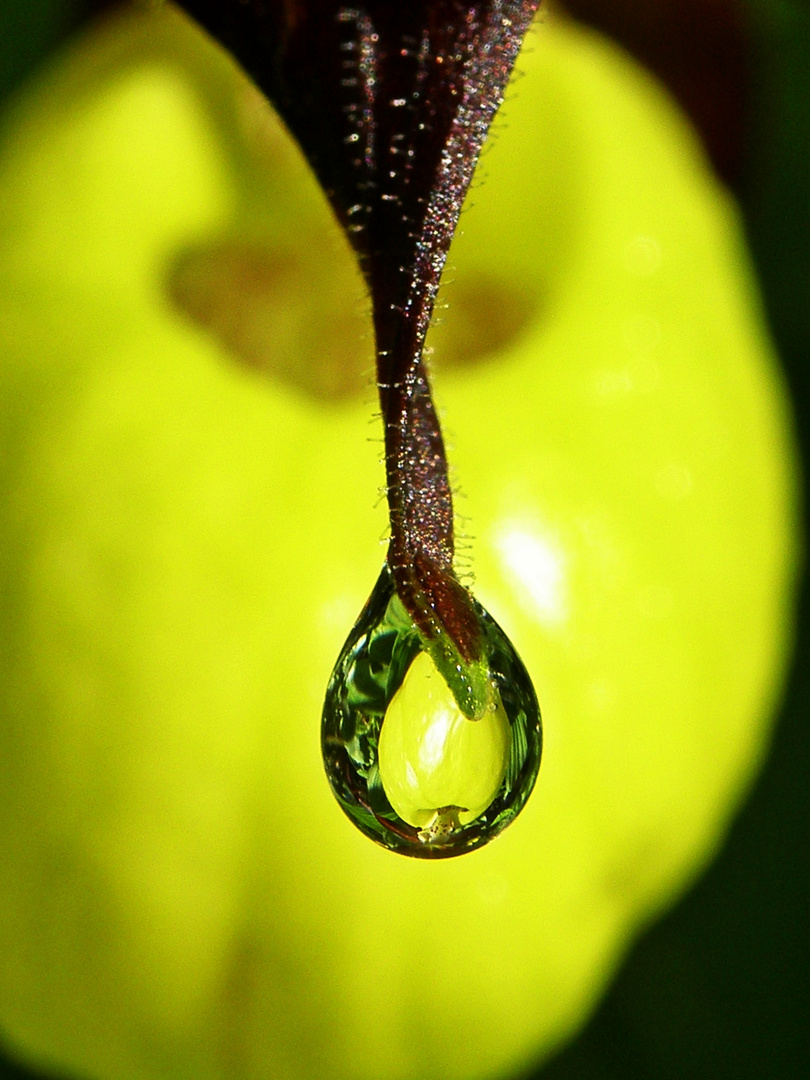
406 765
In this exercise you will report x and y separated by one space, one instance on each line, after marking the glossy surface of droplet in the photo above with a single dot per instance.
407 767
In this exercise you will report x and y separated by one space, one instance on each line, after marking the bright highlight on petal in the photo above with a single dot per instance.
535 568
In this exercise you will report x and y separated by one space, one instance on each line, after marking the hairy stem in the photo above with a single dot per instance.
391 103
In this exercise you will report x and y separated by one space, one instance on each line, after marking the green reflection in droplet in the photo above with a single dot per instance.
405 765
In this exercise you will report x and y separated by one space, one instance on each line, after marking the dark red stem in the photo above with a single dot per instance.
391 101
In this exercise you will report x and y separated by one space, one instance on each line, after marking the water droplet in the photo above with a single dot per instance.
407 767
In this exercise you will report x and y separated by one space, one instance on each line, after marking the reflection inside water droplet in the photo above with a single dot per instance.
437 767
409 769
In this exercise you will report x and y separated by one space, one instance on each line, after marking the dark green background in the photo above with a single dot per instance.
719 988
